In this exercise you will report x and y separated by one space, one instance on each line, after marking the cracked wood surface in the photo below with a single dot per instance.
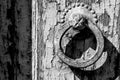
46 33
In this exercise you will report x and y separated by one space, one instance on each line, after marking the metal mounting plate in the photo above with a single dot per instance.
68 16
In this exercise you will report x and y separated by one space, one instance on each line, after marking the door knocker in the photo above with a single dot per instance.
76 17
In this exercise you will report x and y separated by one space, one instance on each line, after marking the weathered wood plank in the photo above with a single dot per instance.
48 33
15 40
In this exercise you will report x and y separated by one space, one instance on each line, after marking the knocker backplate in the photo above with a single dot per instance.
71 17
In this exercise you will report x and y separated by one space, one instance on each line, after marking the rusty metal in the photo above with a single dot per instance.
81 10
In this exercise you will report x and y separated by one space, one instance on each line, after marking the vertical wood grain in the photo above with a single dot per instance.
46 31
15 40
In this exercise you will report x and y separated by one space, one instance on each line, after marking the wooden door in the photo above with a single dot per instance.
46 65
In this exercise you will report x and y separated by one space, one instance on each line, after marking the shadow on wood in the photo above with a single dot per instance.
81 42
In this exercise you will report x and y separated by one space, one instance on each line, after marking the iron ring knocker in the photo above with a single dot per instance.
85 11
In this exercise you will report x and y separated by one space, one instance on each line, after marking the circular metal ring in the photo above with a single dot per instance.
99 49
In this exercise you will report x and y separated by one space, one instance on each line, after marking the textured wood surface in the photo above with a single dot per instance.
15 40
46 29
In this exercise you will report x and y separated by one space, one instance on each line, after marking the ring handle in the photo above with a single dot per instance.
80 62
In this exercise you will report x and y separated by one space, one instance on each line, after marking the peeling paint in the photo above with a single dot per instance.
108 13
118 25
104 18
